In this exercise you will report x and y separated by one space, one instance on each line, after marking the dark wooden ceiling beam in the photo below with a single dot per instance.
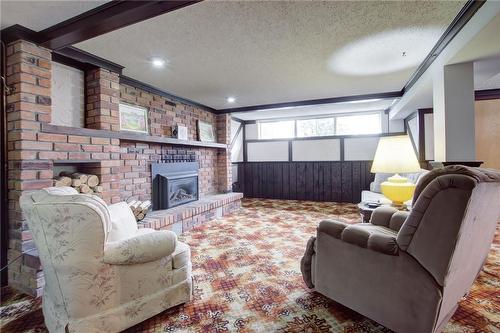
105 18
343 99
468 10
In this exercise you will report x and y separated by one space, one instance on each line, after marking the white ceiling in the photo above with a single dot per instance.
279 51
39 15
477 42
317 110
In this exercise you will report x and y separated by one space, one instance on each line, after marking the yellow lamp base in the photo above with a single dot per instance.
397 189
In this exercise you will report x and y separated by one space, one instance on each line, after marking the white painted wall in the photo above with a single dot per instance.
391 126
251 131
267 151
237 149
68 102
429 136
454 124
413 131
360 149
234 128
316 150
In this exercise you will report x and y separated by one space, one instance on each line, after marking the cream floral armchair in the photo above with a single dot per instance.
102 273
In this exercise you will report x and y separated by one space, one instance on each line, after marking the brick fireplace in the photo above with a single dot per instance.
37 149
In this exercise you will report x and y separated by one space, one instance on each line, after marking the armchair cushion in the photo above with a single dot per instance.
366 235
144 247
123 223
181 256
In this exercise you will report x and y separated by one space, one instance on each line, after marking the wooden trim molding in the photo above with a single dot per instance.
62 59
421 135
86 58
481 95
108 17
16 32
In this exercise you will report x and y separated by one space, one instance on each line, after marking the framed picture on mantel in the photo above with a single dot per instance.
206 131
133 118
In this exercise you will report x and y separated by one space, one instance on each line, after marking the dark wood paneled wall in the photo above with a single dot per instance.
315 181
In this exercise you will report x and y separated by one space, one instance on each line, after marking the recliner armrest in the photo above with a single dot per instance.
332 228
389 217
366 235
145 247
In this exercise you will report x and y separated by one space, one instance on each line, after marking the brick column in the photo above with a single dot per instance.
28 106
224 174
103 97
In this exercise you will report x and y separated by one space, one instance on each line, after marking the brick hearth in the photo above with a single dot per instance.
122 165
184 218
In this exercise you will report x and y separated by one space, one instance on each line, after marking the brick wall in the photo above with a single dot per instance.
102 90
135 166
123 167
136 157
28 105
162 115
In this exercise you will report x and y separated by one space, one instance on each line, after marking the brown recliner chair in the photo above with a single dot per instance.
408 270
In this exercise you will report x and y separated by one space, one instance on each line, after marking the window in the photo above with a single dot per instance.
359 124
277 129
315 127
368 123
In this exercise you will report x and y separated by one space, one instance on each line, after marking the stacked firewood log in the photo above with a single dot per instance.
82 182
139 208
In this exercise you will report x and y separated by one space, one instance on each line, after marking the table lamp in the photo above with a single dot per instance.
395 154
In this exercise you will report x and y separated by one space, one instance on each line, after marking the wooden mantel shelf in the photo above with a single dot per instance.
128 136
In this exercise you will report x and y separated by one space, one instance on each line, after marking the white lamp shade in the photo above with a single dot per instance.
395 154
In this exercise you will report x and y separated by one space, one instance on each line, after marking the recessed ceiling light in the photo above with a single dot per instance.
158 63
231 99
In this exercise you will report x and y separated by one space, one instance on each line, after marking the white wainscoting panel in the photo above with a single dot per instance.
316 150
360 149
267 151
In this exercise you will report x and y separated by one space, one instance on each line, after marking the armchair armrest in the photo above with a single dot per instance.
141 248
388 217
332 228
377 238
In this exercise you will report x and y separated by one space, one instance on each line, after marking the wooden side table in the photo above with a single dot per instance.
366 212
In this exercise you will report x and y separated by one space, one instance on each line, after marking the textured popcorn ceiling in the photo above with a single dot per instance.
38 15
268 52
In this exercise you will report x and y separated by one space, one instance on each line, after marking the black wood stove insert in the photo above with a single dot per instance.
174 184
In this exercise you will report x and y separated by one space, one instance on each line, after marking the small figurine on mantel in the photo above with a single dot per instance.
180 132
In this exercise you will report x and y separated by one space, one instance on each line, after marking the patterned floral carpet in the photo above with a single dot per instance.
247 279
